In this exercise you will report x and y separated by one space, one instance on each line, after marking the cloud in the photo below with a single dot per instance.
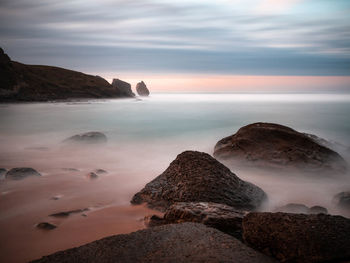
204 36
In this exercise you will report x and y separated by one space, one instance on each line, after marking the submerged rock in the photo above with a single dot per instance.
2 173
92 176
187 242
301 209
298 237
46 226
100 171
342 200
141 89
123 88
67 213
222 217
198 177
277 146
87 138
21 173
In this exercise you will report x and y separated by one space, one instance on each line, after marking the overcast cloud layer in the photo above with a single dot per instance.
253 37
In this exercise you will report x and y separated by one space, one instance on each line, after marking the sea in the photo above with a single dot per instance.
144 135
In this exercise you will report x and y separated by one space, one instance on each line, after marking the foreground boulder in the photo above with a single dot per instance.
342 200
198 177
277 146
298 237
222 217
21 173
141 89
87 138
123 88
301 209
188 242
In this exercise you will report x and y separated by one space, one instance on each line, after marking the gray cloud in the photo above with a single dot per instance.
163 36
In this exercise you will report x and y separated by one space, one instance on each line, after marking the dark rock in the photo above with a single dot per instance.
123 88
187 242
21 173
298 237
301 209
87 138
141 89
154 220
222 217
198 177
20 82
342 200
92 176
67 213
56 197
277 146
46 226
70 169
100 171
318 210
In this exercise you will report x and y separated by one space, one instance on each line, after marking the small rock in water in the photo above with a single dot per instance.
56 197
301 209
141 89
100 171
67 213
70 169
21 173
46 226
2 173
92 176
87 138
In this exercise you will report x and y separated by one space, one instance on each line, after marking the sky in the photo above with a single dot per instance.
193 45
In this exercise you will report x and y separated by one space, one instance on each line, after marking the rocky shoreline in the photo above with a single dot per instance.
211 215
36 83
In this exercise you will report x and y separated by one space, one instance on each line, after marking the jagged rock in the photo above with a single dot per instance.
21 173
46 226
141 89
222 217
277 146
123 88
301 209
187 242
298 237
198 177
87 138
342 200
67 213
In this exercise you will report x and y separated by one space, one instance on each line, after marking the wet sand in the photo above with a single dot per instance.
25 203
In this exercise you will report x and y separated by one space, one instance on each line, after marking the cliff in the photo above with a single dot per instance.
20 82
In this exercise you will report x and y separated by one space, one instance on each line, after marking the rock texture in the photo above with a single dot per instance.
198 177
222 217
342 200
123 87
277 146
298 237
141 89
87 138
21 173
20 82
301 209
188 242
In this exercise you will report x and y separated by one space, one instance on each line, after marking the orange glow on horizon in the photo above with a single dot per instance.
237 83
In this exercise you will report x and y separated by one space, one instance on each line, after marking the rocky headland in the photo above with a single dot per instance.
21 82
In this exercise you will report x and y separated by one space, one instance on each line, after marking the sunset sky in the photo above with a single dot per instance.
193 45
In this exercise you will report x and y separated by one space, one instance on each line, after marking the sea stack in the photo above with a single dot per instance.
123 88
141 89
